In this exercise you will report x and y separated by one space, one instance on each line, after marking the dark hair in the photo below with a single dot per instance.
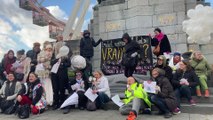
158 30
188 66
78 72
33 74
21 52
13 73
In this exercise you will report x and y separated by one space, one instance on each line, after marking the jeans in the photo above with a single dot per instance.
101 100
183 91
160 103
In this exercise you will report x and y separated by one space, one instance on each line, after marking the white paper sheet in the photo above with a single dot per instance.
116 99
55 67
149 87
72 100
90 95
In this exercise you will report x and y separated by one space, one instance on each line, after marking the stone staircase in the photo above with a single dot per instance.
204 105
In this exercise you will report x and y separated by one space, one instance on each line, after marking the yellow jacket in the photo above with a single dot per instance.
137 92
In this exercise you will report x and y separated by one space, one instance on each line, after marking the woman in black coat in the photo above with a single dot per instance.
164 98
130 58
185 81
60 78
165 46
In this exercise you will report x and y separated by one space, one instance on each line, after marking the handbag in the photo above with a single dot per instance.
156 50
8 106
23 111
19 76
91 106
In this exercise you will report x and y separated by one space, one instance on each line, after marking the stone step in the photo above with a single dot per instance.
200 99
185 108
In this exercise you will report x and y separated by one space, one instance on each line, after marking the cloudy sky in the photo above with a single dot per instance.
16 28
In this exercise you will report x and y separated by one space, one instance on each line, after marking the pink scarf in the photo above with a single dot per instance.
159 37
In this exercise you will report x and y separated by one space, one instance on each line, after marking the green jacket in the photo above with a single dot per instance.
137 92
201 67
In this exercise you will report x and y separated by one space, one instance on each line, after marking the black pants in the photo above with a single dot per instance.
128 72
59 85
183 91
82 99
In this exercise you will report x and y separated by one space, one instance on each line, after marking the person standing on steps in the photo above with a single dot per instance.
86 45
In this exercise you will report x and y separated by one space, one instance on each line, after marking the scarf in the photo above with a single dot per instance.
159 37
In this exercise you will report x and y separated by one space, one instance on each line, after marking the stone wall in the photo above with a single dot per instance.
140 17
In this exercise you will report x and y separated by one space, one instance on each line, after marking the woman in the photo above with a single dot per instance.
162 64
8 61
79 86
9 92
130 57
43 71
161 39
164 98
101 87
184 81
59 76
202 69
21 66
33 95
174 61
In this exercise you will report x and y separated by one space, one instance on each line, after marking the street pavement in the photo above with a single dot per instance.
103 115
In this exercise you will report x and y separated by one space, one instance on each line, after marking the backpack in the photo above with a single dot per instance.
23 111
91 106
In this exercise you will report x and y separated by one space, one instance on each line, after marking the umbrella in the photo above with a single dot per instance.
72 100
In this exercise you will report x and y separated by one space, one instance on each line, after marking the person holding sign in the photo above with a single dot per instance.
164 98
101 87
136 97
185 81
130 56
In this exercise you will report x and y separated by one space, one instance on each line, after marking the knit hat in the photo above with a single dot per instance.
177 54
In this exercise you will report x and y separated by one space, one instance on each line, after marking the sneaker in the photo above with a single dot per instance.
167 115
66 111
192 102
176 111
132 115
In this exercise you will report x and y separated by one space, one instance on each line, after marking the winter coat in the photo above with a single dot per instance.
86 46
164 45
7 63
10 90
33 56
35 92
166 68
166 92
64 65
201 67
130 48
189 75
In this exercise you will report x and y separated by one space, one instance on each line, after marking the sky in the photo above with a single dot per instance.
16 28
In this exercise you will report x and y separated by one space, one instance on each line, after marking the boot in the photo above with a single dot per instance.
206 93
198 92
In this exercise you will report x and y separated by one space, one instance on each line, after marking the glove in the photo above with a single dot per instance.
134 54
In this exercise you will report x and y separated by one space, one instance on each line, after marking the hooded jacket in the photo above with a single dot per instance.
166 92
131 46
166 68
201 67
86 45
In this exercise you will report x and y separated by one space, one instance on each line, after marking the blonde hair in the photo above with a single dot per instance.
99 72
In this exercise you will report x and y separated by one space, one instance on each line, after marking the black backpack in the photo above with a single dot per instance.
23 111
